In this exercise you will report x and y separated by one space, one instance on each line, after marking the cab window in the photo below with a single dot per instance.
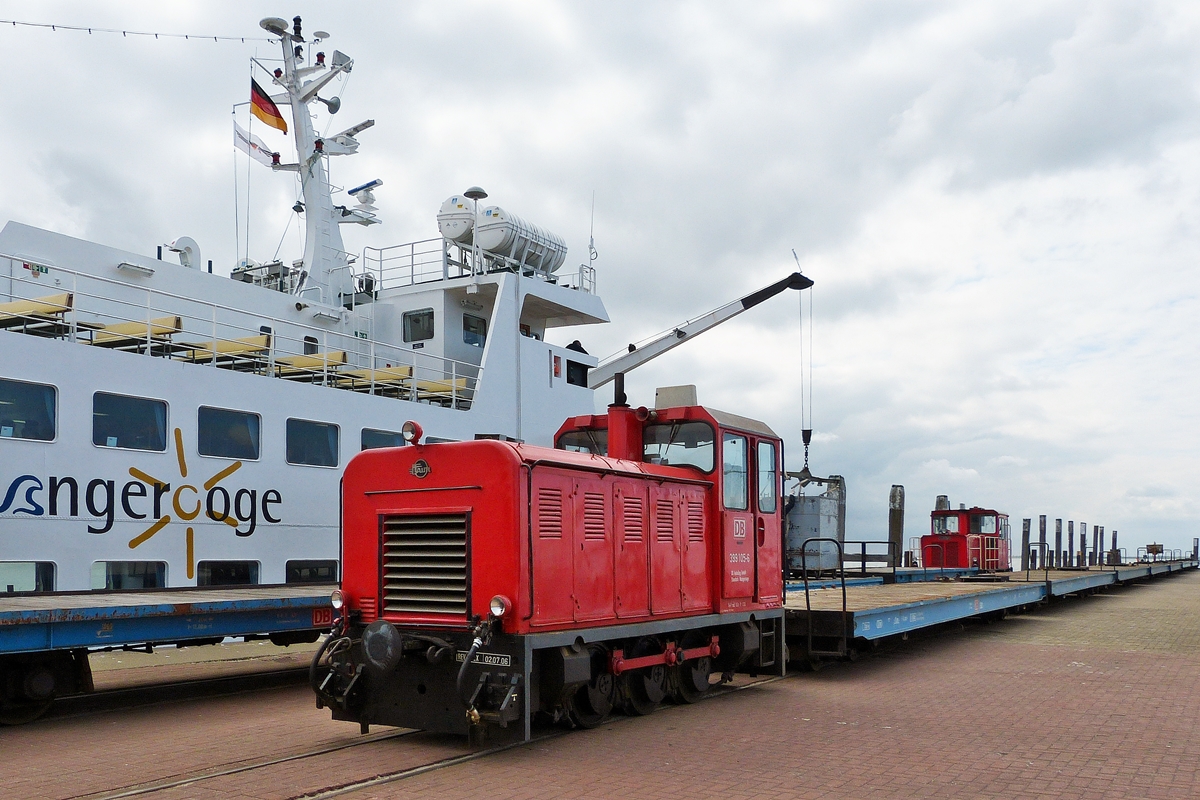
679 444
585 441
767 478
733 471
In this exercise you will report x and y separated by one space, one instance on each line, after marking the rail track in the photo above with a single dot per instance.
150 694
205 779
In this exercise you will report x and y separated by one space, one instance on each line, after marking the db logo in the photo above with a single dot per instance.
739 529
322 617
419 468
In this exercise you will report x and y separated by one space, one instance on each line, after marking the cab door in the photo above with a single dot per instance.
768 528
737 521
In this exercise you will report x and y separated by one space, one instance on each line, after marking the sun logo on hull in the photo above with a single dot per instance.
177 502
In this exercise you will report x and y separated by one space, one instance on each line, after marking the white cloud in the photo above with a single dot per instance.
999 201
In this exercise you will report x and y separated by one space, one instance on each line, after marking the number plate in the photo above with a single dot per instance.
489 659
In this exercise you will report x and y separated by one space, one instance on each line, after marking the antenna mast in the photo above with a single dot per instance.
326 265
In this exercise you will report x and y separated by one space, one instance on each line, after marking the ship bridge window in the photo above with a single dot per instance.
134 423
733 471
585 441
27 411
767 481
679 444
983 523
418 325
26 576
313 444
129 574
227 434
474 330
945 524
226 573
373 439
312 571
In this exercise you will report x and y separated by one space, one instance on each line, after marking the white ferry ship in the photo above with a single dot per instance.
162 426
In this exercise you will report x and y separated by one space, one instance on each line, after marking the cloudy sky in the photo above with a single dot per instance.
999 203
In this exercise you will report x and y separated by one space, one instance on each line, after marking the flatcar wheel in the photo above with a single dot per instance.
19 714
691 679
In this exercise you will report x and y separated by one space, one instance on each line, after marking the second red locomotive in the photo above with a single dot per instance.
489 581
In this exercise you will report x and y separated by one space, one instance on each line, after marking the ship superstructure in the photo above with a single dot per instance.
164 426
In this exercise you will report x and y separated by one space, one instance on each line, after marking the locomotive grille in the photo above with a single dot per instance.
425 564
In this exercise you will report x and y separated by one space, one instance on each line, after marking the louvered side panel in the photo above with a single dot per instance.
695 521
550 513
631 519
425 564
593 516
664 521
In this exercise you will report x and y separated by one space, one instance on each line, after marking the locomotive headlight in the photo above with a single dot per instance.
411 431
337 600
499 606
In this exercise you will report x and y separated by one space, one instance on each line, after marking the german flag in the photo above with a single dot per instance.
263 107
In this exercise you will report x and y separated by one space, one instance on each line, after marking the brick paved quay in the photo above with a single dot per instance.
1091 698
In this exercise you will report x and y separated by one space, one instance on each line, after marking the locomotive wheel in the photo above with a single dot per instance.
590 706
691 679
645 688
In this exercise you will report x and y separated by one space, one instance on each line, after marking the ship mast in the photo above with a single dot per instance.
326 267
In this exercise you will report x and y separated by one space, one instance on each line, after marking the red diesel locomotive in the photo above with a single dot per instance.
488 581
967 538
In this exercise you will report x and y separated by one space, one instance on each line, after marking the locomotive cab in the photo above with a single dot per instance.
486 582
967 538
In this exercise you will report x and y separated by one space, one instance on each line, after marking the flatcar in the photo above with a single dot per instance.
489 582
967 538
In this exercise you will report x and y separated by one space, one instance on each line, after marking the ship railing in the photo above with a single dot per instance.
118 315
431 260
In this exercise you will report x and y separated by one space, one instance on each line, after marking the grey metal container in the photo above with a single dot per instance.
816 517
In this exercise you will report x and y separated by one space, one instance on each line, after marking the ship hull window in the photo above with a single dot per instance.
374 439
27 411
131 423
312 571
418 325
576 373
312 444
129 575
228 434
26 576
226 573
474 330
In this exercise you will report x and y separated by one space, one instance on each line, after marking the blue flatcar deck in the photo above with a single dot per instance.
876 611
34 623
